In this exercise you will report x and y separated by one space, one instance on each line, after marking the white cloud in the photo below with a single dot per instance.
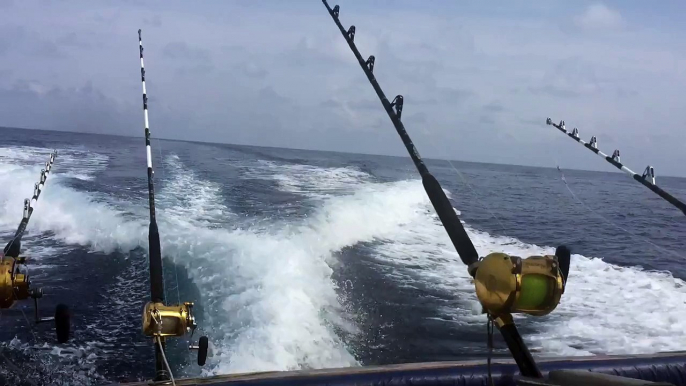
450 66
599 16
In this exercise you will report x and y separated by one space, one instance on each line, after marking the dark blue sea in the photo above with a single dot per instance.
302 259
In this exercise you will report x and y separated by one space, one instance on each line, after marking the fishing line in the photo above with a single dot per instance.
439 200
489 332
648 177
176 272
157 143
158 340
615 161
483 205
635 236
180 314
14 367
164 357
176 267
28 322
156 269
446 212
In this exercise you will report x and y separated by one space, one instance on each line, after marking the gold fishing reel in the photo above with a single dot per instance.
508 284
15 286
161 321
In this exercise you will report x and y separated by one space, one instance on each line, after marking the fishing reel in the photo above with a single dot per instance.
508 284
14 279
161 321
15 285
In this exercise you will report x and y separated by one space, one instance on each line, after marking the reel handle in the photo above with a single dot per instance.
202 348
62 317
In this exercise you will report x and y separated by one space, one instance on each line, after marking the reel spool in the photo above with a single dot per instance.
161 321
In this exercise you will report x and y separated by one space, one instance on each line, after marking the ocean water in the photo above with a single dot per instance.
300 259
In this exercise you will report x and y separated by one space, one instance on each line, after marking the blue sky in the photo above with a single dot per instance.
479 78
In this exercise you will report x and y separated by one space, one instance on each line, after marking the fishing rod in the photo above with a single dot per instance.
15 284
647 179
461 241
504 284
13 247
159 320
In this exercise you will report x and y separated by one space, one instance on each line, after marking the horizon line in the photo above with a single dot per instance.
325 151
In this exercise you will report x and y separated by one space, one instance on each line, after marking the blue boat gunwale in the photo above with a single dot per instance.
650 367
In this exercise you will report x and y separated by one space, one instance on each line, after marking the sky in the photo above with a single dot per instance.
478 78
